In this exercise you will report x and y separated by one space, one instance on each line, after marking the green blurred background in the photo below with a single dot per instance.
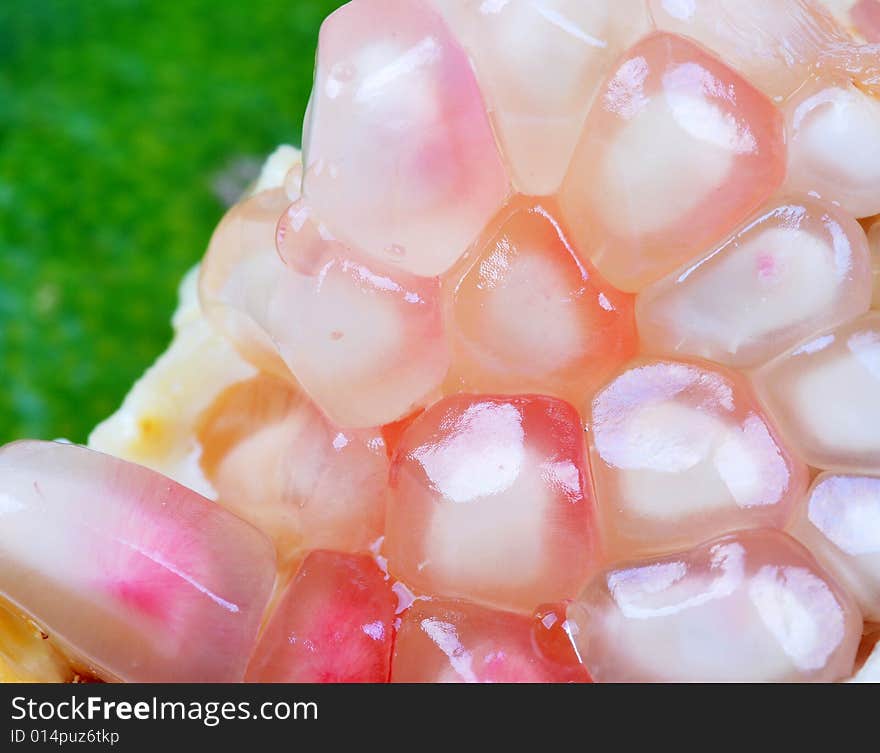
123 125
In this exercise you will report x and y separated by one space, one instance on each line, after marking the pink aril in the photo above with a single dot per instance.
278 462
833 148
672 129
490 499
539 64
866 17
365 342
824 395
423 175
459 642
773 44
239 274
138 578
750 607
333 623
682 452
839 521
796 268
529 315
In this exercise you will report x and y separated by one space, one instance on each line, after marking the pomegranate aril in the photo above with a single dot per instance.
459 642
490 499
671 131
839 521
529 315
333 623
241 275
751 607
682 453
539 63
825 396
551 634
423 176
865 15
793 270
365 343
136 576
833 147
278 462
773 44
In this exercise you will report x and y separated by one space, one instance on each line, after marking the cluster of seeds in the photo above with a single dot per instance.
552 359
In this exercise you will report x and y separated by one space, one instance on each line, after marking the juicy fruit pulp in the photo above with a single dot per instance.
552 360
334 623
450 641
530 315
682 451
140 578
671 130
750 605
490 498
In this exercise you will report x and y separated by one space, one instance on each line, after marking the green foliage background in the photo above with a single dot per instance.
118 120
